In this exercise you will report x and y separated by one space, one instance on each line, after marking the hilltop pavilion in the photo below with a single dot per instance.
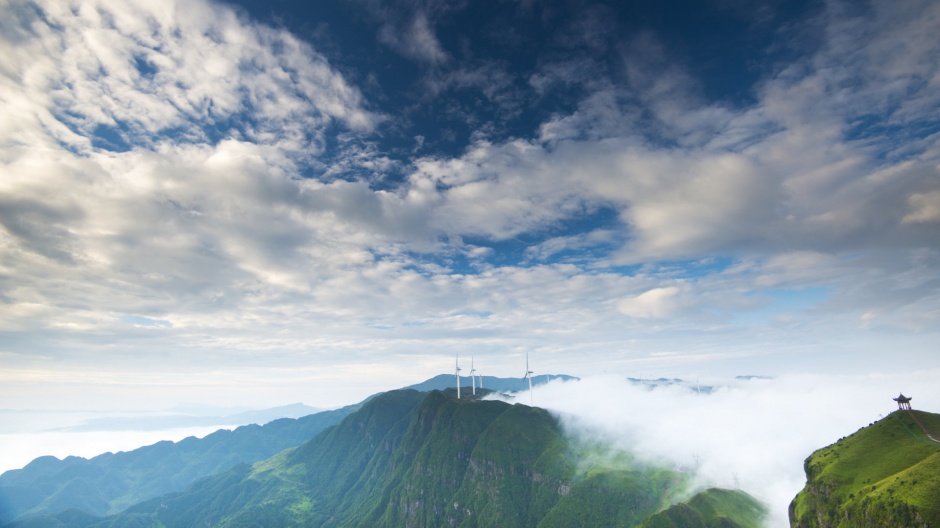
904 402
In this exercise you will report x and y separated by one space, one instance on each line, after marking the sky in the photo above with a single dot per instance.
256 203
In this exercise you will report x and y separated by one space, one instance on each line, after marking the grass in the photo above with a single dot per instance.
712 508
883 470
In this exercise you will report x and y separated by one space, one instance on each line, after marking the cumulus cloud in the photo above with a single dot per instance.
792 172
151 169
657 303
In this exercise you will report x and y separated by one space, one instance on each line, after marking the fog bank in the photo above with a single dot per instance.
753 434
19 449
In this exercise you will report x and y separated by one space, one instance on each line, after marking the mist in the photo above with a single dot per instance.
19 449
751 434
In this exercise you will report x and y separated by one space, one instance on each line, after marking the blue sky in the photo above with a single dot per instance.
258 203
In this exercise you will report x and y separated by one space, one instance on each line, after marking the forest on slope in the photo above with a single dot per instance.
420 460
109 483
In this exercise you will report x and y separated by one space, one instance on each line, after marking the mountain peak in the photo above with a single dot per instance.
885 473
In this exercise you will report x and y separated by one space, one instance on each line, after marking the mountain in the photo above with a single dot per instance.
110 482
711 508
409 459
886 474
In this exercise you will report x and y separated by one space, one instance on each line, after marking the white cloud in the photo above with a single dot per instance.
754 433
658 303
789 173
925 207
555 245
188 69
415 40
200 222
249 264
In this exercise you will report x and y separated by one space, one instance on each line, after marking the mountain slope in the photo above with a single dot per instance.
886 474
108 483
408 459
712 508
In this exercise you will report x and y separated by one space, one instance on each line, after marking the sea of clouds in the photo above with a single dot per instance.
748 433
26 435
753 434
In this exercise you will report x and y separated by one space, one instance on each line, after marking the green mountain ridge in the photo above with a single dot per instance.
885 474
409 459
108 483
712 508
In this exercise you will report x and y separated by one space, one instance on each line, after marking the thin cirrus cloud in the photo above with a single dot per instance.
415 40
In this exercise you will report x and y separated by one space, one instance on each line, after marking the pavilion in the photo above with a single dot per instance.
904 402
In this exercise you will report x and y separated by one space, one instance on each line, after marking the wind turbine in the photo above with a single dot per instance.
457 372
528 376
473 379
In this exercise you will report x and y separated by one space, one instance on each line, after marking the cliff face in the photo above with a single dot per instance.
886 474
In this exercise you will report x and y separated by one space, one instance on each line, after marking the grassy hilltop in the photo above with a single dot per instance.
886 474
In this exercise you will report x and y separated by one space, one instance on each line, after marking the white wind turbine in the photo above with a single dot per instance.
473 379
457 372
528 376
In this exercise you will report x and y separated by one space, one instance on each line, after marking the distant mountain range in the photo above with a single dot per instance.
108 483
179 420
414 459
447 381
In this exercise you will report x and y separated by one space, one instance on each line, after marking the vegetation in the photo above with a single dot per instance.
886 474
712 508
109 483
418 460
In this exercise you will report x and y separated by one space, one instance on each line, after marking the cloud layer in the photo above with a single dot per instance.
753 434
190 197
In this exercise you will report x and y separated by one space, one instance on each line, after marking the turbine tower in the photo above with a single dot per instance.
457 372
473 379
528 376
